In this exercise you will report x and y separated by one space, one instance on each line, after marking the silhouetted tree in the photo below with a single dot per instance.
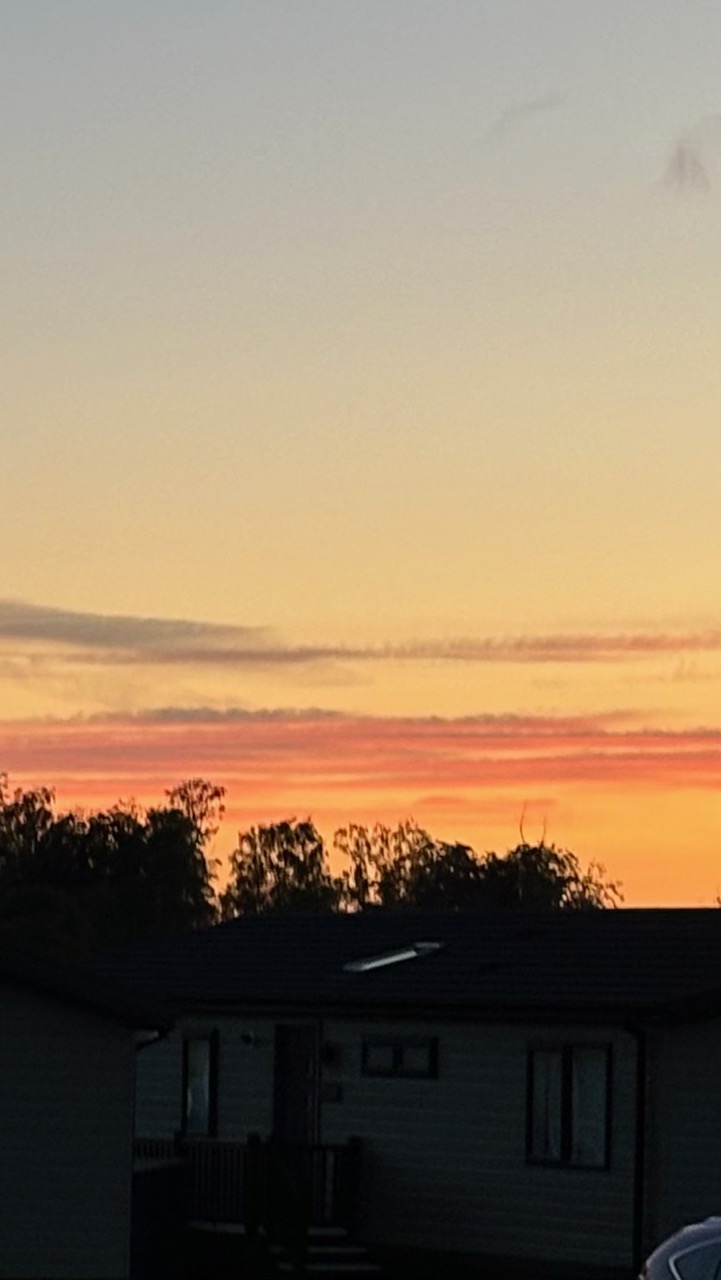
284 867
74 882
151 870
202 802
541 877
280 867
404 866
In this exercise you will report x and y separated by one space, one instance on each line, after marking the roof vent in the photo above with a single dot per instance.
410 952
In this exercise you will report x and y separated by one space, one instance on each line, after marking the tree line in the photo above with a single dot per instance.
74 882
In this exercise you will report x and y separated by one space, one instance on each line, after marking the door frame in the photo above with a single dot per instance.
308 1033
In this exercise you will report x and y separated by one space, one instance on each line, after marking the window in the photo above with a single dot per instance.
412 1058
200 1086
568 1121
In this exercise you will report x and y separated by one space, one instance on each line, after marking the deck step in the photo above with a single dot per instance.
329 1254
327 1250
352 1268
220 1228
345 1251
333 1256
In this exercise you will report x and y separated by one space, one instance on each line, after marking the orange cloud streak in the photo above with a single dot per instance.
335 751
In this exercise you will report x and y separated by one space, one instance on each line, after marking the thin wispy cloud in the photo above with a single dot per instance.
548 648
686 170
515 116
693 156
217 715
77 639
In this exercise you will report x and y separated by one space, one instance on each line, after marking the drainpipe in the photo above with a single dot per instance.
639 1160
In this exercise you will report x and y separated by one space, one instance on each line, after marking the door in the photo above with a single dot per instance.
296 1083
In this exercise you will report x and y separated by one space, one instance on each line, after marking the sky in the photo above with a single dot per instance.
360 418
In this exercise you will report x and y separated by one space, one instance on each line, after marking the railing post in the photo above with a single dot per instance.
254 1184
352 1184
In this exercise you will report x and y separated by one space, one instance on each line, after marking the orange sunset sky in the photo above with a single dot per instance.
361 417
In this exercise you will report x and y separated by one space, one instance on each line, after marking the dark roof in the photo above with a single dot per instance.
97 993
612 963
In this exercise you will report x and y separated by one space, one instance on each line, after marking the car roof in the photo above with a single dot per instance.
689 1237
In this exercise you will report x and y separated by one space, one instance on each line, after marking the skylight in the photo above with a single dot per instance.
411 952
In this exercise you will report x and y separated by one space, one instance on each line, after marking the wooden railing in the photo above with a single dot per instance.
280 1187
160 1149
217 1181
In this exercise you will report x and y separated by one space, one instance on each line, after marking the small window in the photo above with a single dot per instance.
410 1058
200 1081
569 1106
379 1059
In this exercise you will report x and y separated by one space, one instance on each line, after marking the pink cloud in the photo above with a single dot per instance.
306 756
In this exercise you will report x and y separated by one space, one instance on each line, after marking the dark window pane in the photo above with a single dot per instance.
589 1093
402 1058
197 1099
379 1059
546 1104
417 1059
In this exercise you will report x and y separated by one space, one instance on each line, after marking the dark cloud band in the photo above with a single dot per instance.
88 639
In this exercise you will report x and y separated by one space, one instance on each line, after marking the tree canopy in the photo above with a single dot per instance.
74 882
280 867
285 867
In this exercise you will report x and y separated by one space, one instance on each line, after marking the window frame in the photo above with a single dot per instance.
565 1159
212 1039
398 1070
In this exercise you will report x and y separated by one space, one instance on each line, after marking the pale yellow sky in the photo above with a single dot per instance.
366 326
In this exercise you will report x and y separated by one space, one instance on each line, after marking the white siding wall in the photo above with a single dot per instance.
245 1093
245 1079
444 1160
66 1081
684 1147
158 1088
